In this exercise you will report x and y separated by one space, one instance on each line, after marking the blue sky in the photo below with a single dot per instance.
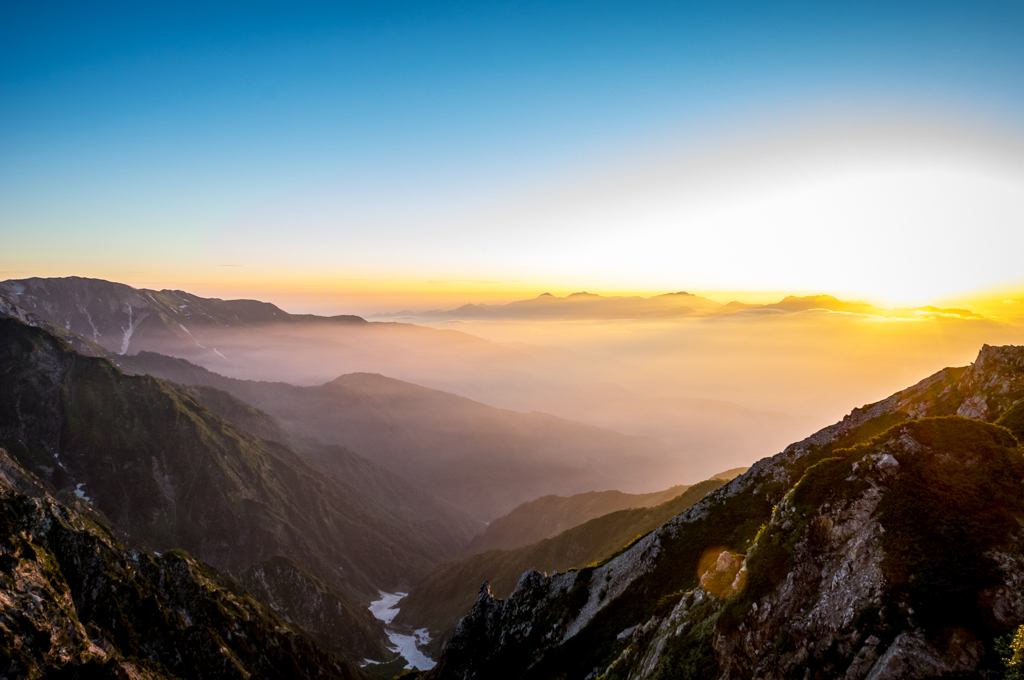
146 139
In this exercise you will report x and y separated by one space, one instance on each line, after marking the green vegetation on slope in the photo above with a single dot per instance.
80 605
449 590
730 521
171 474
549 516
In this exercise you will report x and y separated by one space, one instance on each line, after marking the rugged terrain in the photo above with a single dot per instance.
888 545
172 474
437 602
78 604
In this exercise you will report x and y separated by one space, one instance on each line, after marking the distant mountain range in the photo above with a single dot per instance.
123 319
588 306
244 338
249 340
481 459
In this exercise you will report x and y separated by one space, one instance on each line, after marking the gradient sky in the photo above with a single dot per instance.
489 150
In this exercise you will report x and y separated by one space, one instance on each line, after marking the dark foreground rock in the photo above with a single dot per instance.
76 604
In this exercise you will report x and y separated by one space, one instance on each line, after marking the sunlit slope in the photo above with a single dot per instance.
550 515
171 474
449 590
887 539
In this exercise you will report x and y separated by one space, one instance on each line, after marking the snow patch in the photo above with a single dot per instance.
385 609
81 494
220 355
95 333
132 325
193 337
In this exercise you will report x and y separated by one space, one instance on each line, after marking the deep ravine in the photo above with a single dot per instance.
386 609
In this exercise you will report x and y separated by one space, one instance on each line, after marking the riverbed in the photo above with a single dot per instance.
386 609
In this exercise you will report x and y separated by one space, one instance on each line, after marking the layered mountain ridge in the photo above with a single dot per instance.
484 460
548 516
887 545
173 475
590 306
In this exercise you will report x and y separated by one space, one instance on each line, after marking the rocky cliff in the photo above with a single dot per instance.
887 545
75 603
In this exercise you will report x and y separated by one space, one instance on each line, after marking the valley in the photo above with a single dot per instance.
511 341
360 517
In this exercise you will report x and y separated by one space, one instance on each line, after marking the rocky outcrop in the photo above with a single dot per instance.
887 545
76 603
335 622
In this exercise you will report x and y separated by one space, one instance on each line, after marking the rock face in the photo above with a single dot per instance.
888 545
76 603
334 621
442 597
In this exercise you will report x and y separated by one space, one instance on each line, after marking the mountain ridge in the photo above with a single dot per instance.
652 611
439 440
133 445
550 515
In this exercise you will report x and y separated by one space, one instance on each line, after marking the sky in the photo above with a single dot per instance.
373 156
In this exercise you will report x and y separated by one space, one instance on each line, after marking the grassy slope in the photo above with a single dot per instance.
551 515
448 592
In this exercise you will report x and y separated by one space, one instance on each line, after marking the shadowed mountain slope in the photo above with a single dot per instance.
77 604
448 591
885 546
171 474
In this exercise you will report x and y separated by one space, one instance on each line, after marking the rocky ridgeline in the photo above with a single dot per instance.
76 603
888 545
